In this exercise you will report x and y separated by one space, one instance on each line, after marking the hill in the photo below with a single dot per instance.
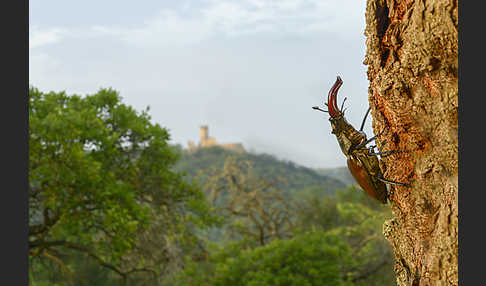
298 178
341 173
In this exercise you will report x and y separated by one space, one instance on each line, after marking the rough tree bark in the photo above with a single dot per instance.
412 69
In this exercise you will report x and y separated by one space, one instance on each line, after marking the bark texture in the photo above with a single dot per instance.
412 69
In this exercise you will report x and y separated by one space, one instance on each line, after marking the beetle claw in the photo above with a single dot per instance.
332 99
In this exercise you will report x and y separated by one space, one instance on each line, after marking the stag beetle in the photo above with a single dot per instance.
362 161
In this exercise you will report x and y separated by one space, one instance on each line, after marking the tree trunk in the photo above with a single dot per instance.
412 68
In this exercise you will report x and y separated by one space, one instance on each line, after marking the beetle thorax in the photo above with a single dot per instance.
345 133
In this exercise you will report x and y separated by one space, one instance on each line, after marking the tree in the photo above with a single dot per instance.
412 67
356 218
318 258
255 209
100 179
309 259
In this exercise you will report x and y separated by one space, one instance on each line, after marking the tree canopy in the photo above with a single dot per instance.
100 175
108 205
309 259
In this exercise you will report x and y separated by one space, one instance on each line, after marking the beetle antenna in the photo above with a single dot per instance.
317 108
342 105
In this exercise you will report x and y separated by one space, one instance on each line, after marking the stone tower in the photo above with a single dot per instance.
203 133
207 141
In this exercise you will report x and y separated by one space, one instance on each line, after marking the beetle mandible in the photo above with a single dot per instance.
362 161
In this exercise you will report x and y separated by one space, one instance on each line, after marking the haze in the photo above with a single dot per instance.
251 70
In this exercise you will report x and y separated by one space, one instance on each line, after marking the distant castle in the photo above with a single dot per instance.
206 141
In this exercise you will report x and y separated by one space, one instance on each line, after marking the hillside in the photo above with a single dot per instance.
340 173
298 178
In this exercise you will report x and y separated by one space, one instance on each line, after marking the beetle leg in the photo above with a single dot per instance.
392 182
364 119
390 191
385 153
371 150
362 144
384 143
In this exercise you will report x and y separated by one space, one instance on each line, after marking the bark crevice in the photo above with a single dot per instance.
412 68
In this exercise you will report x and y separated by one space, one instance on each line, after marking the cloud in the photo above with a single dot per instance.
186 24
38 37
193 22
248 68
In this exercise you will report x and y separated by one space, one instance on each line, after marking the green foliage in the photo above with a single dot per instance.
317 258
107 198
337 241
309 259
83 272
357 219
101 182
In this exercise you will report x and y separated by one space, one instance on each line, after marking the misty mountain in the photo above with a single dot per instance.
341 173
297 178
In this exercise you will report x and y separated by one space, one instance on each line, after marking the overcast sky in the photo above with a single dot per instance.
250 69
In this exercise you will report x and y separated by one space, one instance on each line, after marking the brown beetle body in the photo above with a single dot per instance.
362 161
366 176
